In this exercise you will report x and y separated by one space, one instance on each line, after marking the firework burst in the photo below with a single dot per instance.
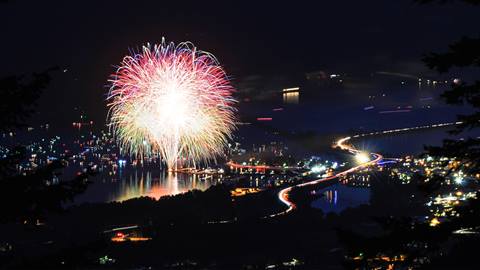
173 101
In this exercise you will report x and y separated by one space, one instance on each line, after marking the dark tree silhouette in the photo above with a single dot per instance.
406 242
27 197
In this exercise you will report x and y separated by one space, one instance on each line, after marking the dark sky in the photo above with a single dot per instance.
249 38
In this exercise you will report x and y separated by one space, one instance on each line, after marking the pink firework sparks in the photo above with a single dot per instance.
172 101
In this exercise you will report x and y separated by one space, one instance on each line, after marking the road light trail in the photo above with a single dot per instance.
283 194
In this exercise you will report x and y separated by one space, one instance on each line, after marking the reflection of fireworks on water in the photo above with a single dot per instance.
174 101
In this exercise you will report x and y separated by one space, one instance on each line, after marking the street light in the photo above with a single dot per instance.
458 180
362 157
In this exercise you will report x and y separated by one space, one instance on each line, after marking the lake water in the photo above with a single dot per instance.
129 182
338 197
136 183
311 112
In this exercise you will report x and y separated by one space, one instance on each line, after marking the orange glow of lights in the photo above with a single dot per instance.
434 222
131 239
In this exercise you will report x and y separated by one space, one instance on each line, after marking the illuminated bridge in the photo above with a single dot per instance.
261 168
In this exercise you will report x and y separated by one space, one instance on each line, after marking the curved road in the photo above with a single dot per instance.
283 194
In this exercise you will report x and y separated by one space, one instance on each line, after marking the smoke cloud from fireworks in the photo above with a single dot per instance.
173 101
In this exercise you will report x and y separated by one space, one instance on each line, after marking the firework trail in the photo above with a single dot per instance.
173 101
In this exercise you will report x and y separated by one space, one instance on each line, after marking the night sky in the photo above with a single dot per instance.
86 38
